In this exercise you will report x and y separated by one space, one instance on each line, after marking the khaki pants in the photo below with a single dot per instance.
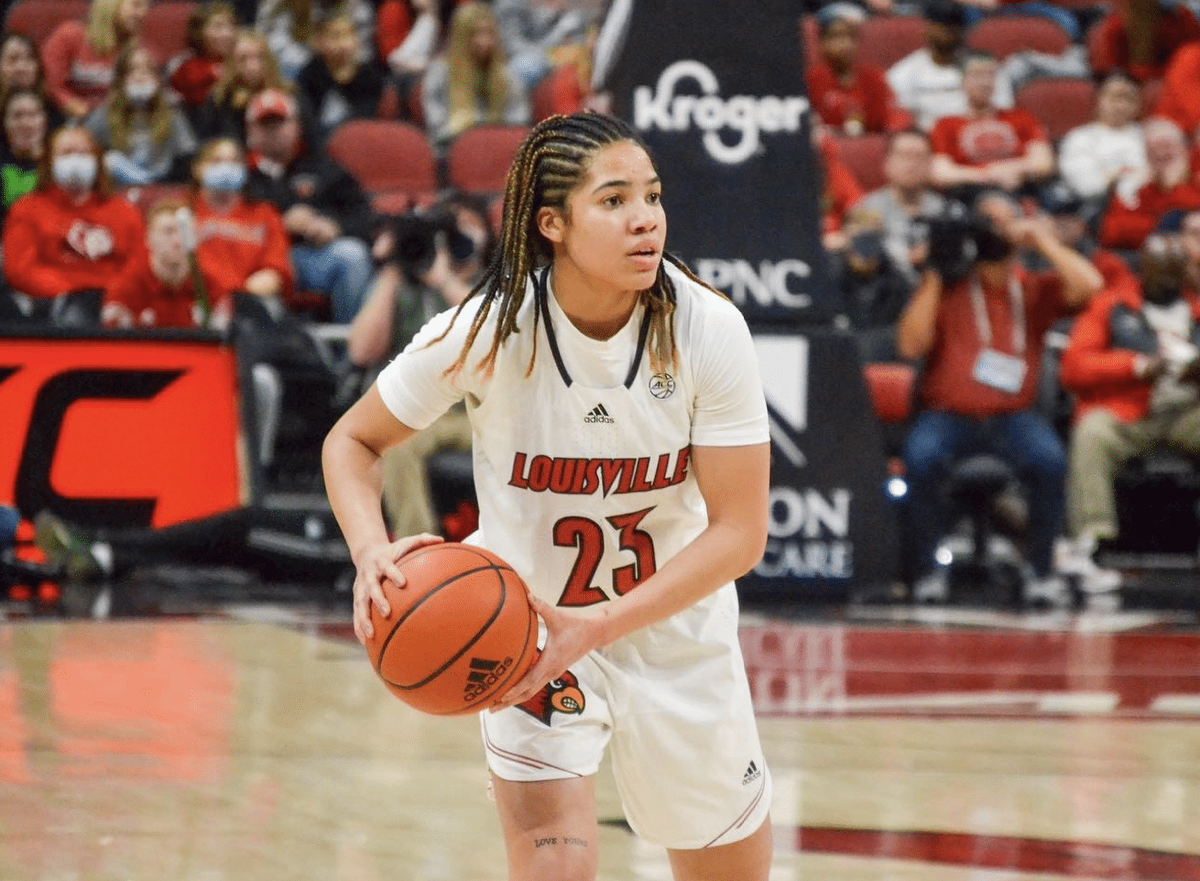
406 498
1101 444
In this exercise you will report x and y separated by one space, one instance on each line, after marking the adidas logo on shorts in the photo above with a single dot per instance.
752 773
598 414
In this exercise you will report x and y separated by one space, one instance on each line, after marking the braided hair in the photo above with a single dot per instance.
550 163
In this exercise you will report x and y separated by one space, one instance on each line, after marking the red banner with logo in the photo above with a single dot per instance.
120 431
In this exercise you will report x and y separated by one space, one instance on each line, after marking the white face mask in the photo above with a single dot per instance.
140 93
74 171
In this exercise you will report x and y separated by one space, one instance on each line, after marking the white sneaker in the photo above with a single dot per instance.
1048 590
1074 558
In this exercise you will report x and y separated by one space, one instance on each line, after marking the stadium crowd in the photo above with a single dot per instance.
161 172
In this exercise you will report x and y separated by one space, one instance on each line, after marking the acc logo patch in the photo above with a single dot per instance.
662 385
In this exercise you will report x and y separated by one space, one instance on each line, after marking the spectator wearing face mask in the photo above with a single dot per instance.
71 233
147 138
240 242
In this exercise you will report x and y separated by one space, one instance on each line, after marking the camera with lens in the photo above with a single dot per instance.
958 238
417 235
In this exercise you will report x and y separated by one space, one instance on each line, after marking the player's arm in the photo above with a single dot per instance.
353 482
735 483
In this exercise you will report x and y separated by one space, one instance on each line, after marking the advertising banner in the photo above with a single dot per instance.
716 89
120 431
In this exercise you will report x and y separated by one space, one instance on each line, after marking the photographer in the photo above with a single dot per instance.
431 259
978 320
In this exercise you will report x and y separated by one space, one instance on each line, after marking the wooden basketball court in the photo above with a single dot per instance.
253 742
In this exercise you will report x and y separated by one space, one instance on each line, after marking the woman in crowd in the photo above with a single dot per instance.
468 83
250 68
211 29
79 57
242 244
71 233
1092 156
145 134
408 34
21 68
25 127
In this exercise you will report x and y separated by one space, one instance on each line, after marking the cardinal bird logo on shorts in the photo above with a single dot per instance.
562 695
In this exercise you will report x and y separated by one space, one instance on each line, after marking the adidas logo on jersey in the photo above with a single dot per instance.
752 773
598 414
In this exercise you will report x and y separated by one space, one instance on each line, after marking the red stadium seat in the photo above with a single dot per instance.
885 39
477 160
1060 104
1004 35
890 388
37 19
392 160
863 156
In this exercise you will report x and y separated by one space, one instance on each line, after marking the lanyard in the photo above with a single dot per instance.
984 326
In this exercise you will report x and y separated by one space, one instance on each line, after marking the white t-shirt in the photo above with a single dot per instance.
1090 156
930 91
582 468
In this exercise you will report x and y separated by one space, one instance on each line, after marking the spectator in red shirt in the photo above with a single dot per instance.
1140 199
79 57
1133 363
241 243
839 189
981 338
1141 37
163 288
211 29
71 233
987 147
848 94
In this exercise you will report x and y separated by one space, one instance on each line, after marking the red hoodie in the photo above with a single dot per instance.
1098 374
52 245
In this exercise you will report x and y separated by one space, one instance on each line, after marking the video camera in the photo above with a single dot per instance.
954 239
416 235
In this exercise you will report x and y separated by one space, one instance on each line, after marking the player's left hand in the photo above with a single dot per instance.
570 634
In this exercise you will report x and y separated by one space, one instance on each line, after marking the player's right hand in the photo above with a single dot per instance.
373 565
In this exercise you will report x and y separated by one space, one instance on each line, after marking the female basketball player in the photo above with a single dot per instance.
621 462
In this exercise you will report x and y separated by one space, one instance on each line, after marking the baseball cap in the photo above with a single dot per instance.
271 103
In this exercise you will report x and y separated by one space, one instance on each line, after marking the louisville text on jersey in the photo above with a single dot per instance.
582 477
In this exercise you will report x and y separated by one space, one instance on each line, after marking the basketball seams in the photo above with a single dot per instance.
474 624
495 613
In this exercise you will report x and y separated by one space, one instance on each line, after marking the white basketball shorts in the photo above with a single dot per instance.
672 703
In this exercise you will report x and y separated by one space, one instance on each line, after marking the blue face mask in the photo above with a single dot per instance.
227 177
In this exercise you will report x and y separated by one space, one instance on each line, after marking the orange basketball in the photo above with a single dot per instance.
460 632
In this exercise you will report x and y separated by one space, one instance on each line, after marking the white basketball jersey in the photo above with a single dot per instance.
582 466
